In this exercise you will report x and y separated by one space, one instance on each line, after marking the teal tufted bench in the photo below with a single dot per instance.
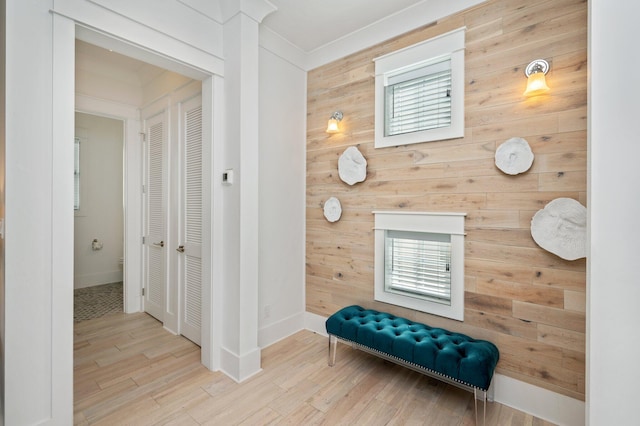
452 357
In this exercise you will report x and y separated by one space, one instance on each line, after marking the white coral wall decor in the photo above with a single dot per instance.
514 156
332 209
561 228
352 166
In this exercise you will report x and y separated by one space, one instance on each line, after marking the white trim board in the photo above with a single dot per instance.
540 402
406 20
279 330
240 367
99 278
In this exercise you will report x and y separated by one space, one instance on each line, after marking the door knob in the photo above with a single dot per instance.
180 249
160 244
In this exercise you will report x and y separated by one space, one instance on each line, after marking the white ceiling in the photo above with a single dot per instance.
308 33
310 24
311 33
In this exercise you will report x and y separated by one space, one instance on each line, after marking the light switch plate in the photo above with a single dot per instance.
227 177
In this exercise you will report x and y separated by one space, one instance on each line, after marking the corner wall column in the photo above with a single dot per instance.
240 354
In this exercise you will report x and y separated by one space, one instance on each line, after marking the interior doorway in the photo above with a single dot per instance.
125 88
98 216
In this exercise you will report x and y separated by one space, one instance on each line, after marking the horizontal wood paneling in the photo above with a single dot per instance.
529 302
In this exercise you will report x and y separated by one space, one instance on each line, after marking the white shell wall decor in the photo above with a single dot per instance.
352 166
332 209
561 228
514 156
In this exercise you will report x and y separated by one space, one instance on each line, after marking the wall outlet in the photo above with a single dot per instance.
267 311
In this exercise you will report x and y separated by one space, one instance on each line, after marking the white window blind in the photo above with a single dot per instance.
76 174
419 261
419 99
419 92
419 264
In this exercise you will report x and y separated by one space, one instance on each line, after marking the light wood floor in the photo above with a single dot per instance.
130 371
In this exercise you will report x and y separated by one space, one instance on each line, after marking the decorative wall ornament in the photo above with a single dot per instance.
561 228
514 156
352 166
332 209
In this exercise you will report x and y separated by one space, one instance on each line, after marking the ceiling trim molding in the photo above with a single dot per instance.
394 25
254 9
402 22
208 8
280 46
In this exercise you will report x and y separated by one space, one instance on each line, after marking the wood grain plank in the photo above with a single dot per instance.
575 301
568 320
539 295
561 337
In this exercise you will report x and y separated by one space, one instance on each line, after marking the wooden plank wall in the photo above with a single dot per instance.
529 302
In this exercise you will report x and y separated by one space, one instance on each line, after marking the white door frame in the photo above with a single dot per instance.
212 102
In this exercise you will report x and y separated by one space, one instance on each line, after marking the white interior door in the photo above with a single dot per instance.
155 258
190 248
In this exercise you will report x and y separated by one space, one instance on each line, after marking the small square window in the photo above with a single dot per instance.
419 95
419 261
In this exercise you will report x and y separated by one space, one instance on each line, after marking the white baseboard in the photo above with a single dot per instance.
540 402
132 303
240 368
315 323
272 333
91 280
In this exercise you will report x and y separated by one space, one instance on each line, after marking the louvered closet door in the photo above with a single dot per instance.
155 208
191 224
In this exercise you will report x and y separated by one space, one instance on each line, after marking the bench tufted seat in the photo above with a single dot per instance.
453 356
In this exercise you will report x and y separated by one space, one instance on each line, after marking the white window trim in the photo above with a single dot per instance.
451 43
432 222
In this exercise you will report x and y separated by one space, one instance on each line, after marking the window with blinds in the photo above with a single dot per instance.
76 174
419 261
419 92
418 99
418 264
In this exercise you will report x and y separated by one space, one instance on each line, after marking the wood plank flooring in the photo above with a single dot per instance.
129 371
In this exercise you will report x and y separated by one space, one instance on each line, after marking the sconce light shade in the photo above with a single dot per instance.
332 125
536 81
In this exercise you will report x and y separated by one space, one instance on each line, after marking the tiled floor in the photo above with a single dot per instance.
94 302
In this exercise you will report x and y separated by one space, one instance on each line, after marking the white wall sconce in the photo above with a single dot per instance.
332 125
536 81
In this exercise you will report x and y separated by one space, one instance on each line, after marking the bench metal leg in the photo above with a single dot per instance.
483 395
333 346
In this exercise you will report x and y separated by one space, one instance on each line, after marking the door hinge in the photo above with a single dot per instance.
144 189
143 291
143 136
142 240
